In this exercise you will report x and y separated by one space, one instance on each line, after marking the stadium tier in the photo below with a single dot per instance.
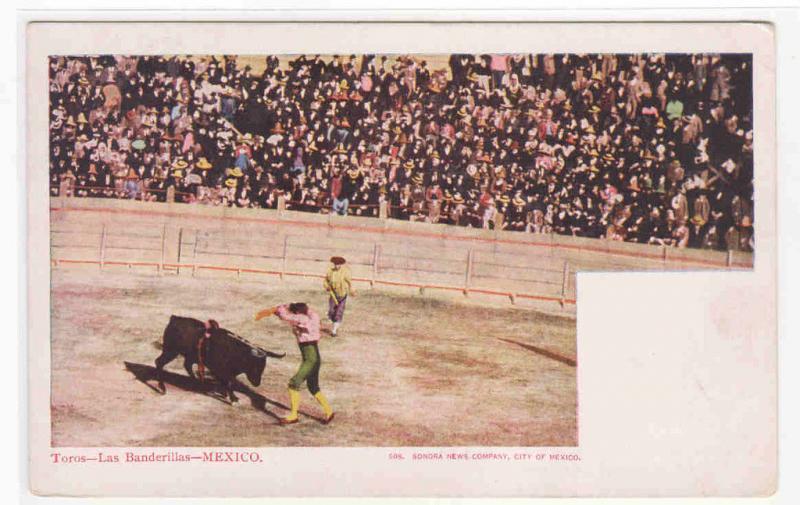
647 148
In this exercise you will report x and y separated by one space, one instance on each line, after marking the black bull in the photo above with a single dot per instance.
223 353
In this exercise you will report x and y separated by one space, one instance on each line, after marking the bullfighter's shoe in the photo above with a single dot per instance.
289 420
328 419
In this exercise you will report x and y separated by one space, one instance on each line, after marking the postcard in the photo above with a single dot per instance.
401 259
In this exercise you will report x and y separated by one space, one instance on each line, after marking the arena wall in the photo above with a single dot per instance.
275 246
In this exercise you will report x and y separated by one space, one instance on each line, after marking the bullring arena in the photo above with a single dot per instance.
457 337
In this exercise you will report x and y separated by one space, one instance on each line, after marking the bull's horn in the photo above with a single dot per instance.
258 353
275 354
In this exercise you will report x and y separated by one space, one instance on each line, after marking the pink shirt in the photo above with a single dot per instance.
304 326
499 62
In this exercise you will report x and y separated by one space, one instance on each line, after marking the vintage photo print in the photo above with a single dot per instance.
273 256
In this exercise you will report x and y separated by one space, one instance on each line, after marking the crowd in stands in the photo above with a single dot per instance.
637 147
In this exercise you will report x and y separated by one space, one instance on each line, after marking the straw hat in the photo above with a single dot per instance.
180 165
698 220
338 260
457 198
203 164
236 172
231 183
408 164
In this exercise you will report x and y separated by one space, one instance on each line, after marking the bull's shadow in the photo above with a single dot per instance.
147 374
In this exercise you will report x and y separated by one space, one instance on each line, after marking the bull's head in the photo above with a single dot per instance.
258 362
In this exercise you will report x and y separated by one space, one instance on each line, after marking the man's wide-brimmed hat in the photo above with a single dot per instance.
203 164
698 220
180 165
338 260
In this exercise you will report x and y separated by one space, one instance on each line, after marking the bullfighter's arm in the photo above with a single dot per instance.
348 280
282 311
265 313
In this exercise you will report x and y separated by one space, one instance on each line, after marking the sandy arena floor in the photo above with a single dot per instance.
405 371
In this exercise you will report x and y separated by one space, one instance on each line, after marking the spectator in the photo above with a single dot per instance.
643 148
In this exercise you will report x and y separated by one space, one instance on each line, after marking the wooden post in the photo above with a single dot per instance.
180 248
103 247
664 253
163 247
383 210
729 259
468 272
564 282
376 256
64 189
171 194
194 252
281 204
285 254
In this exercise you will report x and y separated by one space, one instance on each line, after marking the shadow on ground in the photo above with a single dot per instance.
147 374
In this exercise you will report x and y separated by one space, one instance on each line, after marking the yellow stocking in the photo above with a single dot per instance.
324 403
294 398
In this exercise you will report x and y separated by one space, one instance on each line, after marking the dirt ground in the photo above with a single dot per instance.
405 370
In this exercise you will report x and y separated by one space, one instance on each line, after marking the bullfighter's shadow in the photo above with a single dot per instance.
145 374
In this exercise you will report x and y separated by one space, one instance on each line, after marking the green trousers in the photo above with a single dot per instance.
309 369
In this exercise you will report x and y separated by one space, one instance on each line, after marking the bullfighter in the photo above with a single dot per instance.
338 284
305 326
